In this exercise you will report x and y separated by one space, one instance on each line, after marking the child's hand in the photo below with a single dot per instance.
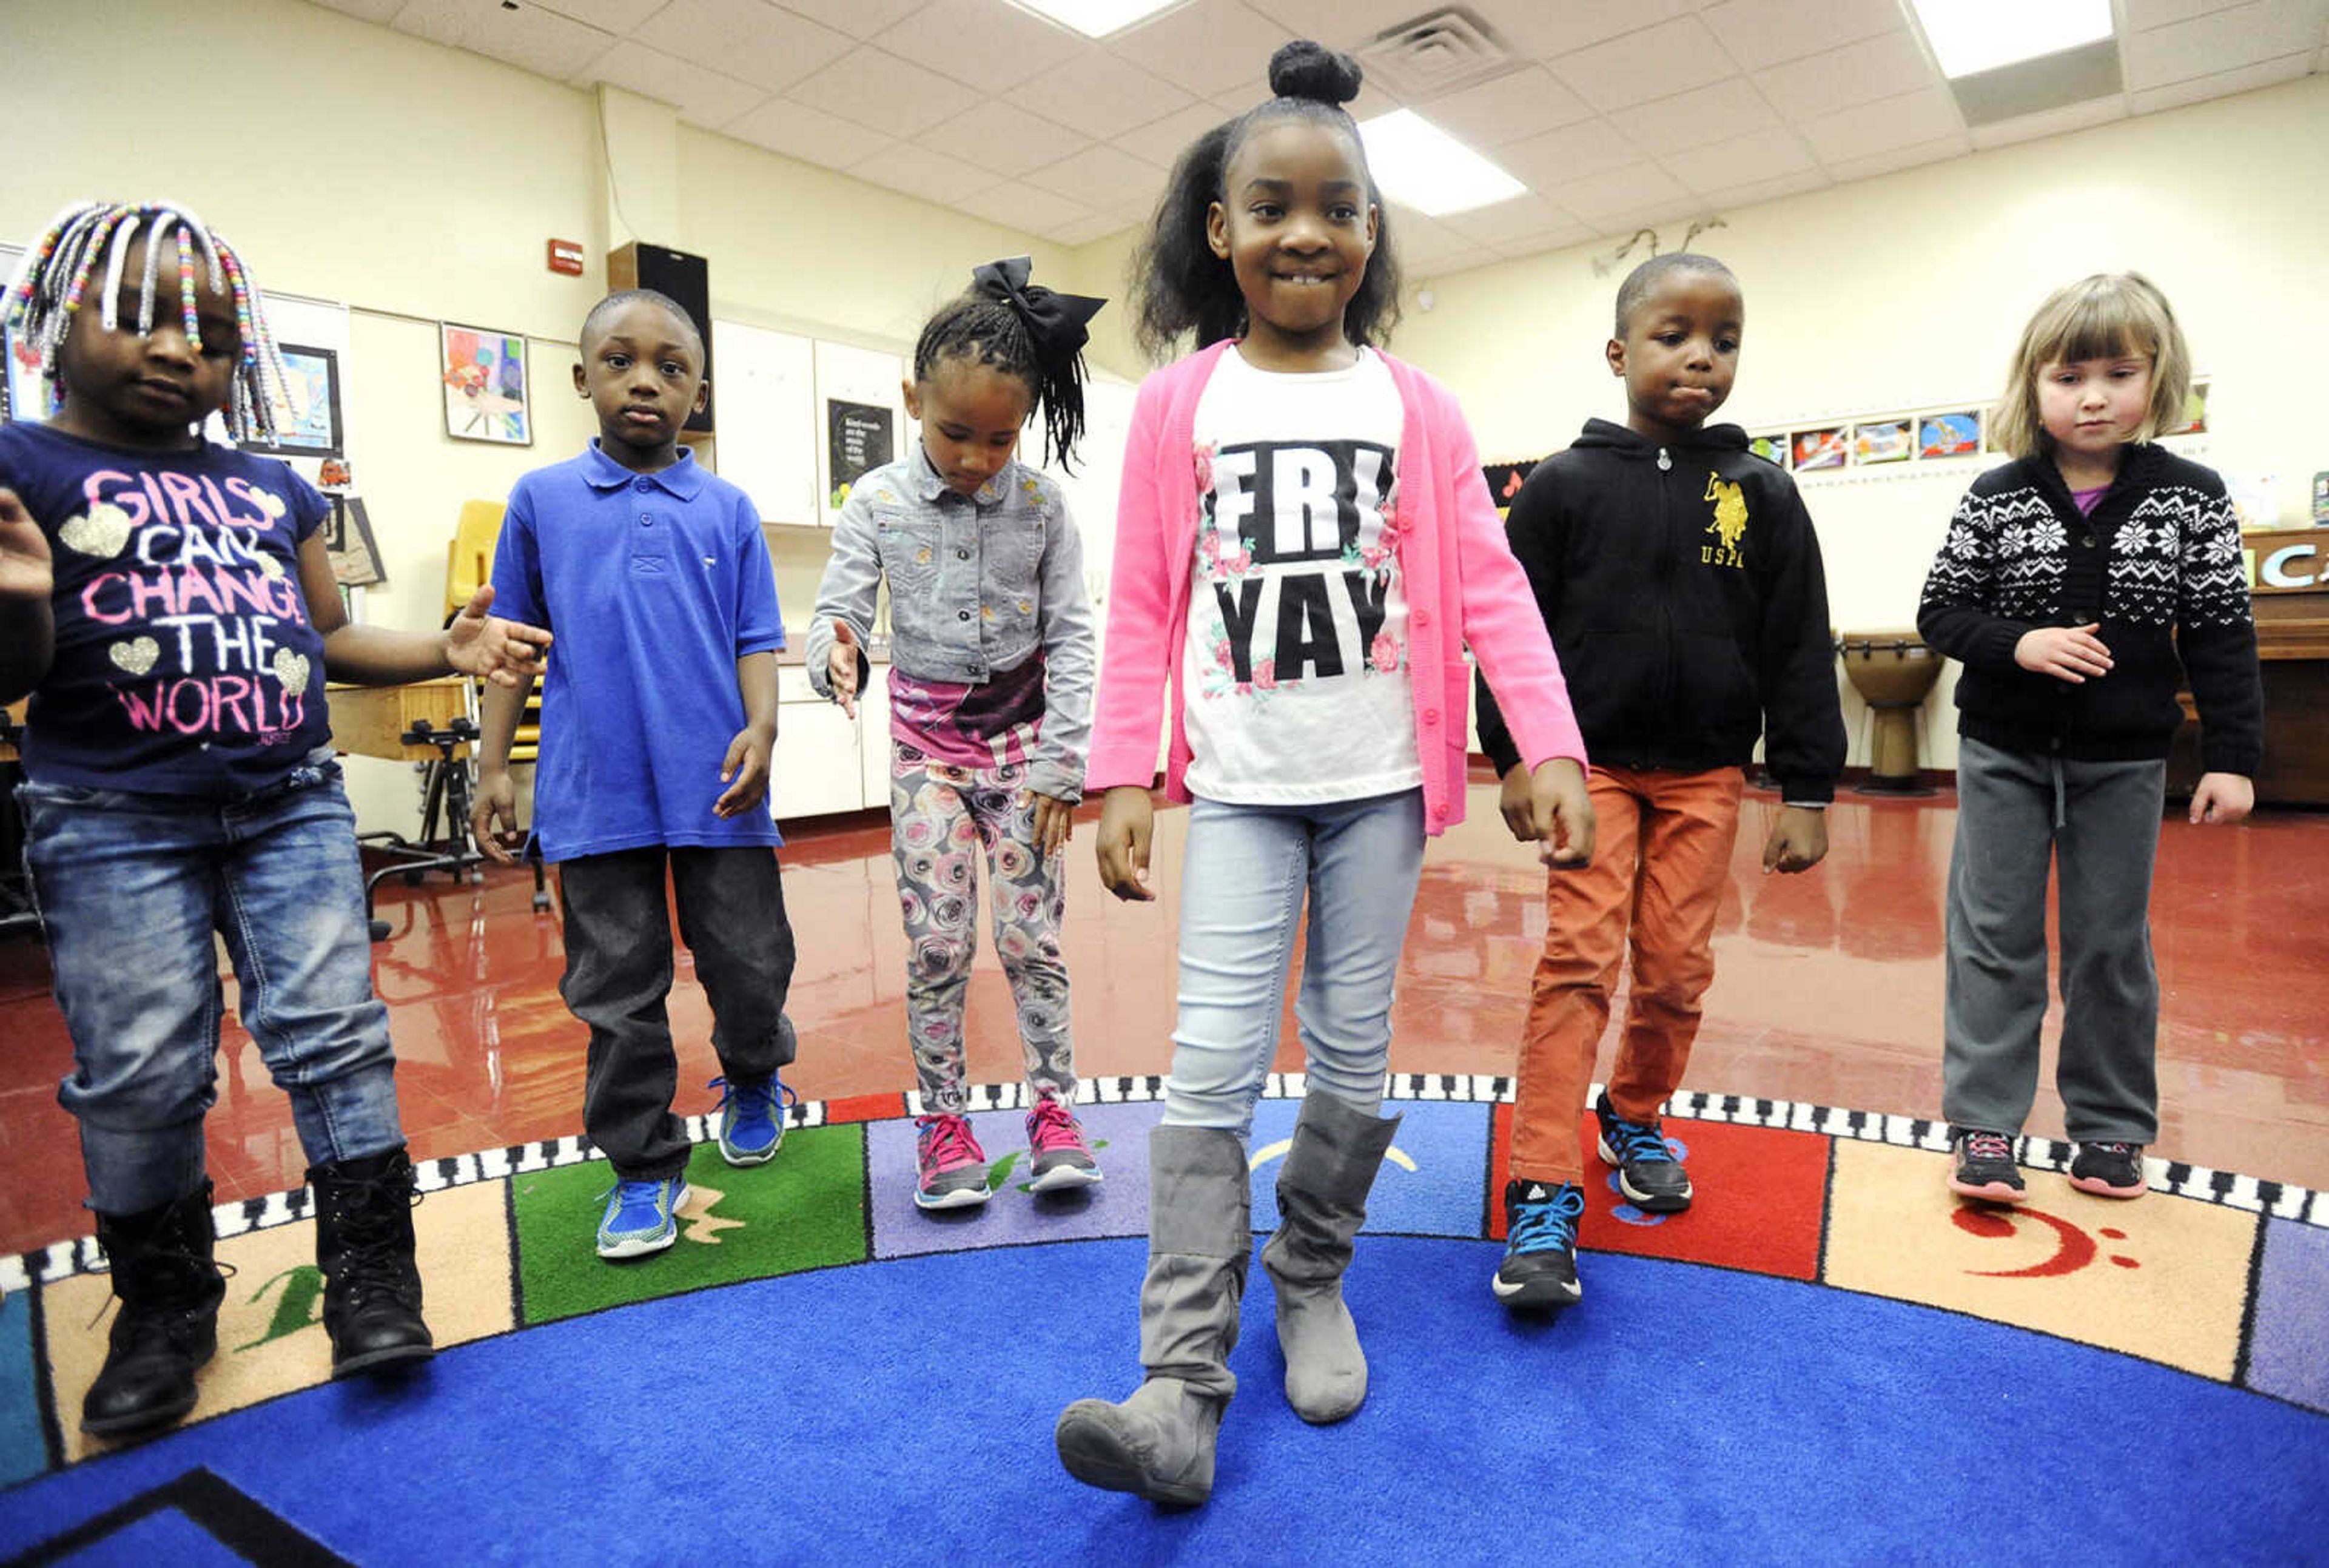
1560 813
841 668
1054 821
1797 840
747 764
1127 818
1513 800
507 653
25 562
2068 652
2222 799
496 797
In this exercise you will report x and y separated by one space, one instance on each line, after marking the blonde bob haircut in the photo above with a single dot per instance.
2109 316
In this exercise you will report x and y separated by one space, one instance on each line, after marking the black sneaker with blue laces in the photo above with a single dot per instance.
1649 1176
1540 1266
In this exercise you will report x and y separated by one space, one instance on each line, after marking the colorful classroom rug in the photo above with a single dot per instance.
1827 1359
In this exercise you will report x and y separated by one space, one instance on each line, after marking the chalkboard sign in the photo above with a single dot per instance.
863 436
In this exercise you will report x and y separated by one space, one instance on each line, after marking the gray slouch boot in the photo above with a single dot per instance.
1322 1202
1159 1442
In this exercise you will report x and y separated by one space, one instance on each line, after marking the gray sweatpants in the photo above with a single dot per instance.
2100 821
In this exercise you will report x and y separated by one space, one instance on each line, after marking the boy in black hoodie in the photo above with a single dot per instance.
1681 580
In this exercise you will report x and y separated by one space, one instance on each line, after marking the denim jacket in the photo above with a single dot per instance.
976 584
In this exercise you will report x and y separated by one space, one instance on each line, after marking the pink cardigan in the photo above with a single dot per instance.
1462 586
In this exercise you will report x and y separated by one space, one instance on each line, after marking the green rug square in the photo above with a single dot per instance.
805 1209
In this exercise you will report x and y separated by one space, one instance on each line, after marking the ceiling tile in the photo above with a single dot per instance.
1339 24
2142 14
876 89
441 21
1587 148
370 10
1956 144
1922 116
535 40
1016 205
1519 104
991 45
1421 241
2246 79
1208 47
1163 143
1885 66
1760 33
1545 31
1656 62
2051 123
1099 95
2222 40
858 18
615 16
809 135
1570 233
920 172
1604 196
1524 214
758 43
1765 155
1731 197
1101 176
1455 261
703 98
1726 109
1004 137
1084 230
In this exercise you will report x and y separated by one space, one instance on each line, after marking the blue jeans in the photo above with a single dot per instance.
130 888
1242 884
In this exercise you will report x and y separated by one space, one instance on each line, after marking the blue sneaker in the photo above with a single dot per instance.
1652 1179
642 1217
753 1118
1540 1266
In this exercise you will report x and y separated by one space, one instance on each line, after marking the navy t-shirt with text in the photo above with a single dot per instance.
185 661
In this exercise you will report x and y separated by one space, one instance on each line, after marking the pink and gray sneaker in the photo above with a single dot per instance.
950 1167
1055 1143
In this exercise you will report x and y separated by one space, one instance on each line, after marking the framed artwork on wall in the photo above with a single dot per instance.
1880 441
1504 480
1771 446
1954 435
308 424
1821 449
483 372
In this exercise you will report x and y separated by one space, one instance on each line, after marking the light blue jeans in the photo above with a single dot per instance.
1243 884
130 888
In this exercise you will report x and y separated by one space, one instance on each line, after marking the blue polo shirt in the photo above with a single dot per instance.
655 585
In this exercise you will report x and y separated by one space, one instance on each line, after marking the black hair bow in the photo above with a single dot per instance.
1054 320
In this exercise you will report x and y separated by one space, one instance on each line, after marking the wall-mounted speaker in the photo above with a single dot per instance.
686 278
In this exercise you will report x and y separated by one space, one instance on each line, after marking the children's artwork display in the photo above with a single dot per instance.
348 542
307 423
483 372
22 395
1504 480
1880 441
1771 446
1827 447
1954 435
2195 412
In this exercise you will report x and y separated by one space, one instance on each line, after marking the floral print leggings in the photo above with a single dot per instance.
939 815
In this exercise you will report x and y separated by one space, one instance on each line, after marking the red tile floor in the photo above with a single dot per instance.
1828 990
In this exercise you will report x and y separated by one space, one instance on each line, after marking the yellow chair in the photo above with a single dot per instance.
469 565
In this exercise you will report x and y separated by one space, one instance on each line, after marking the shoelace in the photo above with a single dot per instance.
947 1141
1987 1145
768 1098
1640 1142
1052 1127
634 1195
1548 1224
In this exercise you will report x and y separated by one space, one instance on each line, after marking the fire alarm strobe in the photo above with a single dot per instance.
566 256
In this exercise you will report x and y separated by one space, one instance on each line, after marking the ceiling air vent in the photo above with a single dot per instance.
1434 55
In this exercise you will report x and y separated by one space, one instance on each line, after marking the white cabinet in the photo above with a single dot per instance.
766 406
817 769
873 740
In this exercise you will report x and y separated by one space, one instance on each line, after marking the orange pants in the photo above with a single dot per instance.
1661 853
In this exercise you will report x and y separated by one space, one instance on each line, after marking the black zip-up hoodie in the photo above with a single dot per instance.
2156 565
1683 587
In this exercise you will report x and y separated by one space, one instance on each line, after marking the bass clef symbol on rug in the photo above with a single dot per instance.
2074 1249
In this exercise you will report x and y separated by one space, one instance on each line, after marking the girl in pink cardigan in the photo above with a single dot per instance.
1304 544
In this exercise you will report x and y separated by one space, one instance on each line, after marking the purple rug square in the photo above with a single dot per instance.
2289 1348
1117 1206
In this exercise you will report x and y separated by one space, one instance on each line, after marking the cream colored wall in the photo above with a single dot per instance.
1909 291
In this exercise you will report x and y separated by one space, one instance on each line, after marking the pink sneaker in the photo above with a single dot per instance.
950 1166
1055 1141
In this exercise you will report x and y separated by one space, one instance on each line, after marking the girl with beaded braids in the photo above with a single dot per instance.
1304 547
990 698
167 602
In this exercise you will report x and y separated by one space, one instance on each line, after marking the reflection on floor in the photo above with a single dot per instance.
1828 989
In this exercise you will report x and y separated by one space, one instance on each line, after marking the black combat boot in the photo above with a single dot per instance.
364 1245
169 1287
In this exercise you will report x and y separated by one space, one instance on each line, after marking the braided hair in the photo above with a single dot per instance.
1179 284
1023 329
52 282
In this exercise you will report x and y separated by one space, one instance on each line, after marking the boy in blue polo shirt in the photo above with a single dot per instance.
657 718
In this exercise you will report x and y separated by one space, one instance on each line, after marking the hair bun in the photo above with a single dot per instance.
1302 69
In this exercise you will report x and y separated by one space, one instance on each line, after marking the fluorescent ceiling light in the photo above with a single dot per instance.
1420 166
1975 35
1097 18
